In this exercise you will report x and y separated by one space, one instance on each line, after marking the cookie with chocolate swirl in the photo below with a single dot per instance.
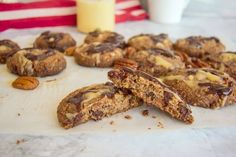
36 62
7 49
97 54
94 103
199 46
147 41
155 61
54 40
106 37
203 87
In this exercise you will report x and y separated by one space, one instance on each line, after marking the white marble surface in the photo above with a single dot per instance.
209 17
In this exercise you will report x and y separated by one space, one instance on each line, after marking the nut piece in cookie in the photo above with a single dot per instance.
204 87
36 62
25 83
54 40
7 49
198 46
124 62
225 61
156 61
147 41
152 91
94 103
105 37
97 54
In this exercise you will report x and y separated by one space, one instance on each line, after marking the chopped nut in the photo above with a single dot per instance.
70 51
154 117
160 125
124 62
149 128
111 122
145 113
25 82
128 117
20 141
51 80
18 114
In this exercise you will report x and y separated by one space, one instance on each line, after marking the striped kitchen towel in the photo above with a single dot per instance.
58 13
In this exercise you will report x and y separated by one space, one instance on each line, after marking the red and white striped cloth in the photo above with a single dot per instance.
58 13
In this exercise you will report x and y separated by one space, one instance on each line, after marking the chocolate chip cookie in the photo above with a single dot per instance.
225 61
155 61
97 54
147 41
94 103
152 91
198 46
54 40
7 49
204 87
105 37
36 62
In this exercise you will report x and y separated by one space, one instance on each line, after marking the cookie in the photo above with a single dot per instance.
25 83
225 61
155 61
152 91
36 62
94 103
147 41
54 40
7 49
106 37
97 54
203 87
198 46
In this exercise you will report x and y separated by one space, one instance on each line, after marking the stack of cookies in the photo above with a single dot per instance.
151 69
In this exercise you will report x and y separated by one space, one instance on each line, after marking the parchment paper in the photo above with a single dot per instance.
34 112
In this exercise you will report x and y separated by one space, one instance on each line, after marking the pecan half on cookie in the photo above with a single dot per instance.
36 62
207 88
94 103
152 91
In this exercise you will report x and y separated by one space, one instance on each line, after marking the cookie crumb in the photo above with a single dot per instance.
18 114
149 128
51 80
128 117
20 141
145 113
111 122
114 130
154 117
160 125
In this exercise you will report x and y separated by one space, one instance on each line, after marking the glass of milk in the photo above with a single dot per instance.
95 14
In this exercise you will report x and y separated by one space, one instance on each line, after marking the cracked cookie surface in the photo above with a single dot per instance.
36 62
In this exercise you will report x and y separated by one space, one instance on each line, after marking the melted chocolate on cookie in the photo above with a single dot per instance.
101 48
34 57
219 89
161 52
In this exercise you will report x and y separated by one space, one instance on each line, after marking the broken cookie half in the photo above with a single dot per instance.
93 103
152 91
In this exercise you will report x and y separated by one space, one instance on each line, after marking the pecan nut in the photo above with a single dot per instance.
70 51
25 83
124 62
